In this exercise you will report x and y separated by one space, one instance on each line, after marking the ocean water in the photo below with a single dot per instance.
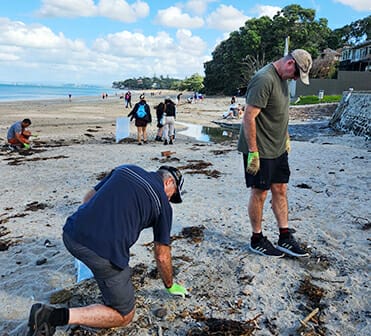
17 92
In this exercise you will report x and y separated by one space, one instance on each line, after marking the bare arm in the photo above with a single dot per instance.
88 195
249 124
164 265
19 137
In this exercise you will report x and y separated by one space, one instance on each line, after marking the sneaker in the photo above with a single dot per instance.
38 321
264 247
139 143
165 142
290 246
170 142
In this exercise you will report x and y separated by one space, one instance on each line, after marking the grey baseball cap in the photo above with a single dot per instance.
177 175
303 60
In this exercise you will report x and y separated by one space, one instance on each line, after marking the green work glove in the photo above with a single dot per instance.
288 144
177 289
253 163
26 146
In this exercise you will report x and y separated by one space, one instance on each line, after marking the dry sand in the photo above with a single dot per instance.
329 209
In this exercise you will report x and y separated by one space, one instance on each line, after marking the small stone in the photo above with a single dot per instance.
160 312
41 261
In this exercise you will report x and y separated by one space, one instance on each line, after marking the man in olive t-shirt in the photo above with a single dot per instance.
265 143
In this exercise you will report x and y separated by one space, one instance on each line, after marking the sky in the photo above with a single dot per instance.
101 41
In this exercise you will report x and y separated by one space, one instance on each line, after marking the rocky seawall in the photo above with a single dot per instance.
312 112
353 114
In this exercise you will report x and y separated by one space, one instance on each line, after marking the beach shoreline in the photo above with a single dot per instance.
75 144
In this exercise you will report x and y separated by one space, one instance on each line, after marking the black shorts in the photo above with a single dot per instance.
271 171
114 283
140 122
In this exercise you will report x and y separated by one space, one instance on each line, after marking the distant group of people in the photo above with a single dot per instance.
166 115
195 98
235 111
129 199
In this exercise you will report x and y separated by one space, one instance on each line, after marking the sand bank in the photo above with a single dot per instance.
329 207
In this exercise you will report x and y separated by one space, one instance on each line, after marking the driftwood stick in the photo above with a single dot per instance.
307 318
327 280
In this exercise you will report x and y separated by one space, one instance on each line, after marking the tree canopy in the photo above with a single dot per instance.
262 40
193 83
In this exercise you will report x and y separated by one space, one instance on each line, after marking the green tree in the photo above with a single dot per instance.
351 34
260 41
193 83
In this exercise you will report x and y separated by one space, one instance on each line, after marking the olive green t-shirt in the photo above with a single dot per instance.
270 93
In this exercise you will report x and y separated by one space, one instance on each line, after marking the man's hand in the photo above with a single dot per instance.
288 144
177 289
253 163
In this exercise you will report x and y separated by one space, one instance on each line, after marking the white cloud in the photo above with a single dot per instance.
9 54
159 54
226 18
262 10
173 17
36 52
67 8
119 10
198 7
186 39
122 11
359 5
16 33
128 44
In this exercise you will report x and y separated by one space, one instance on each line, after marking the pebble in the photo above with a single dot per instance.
160 312
41 261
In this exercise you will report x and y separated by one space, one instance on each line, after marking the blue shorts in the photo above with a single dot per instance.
271 171
114 283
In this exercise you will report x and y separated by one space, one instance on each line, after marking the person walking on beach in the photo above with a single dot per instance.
128 99
142 115
160 108
265 143
100 234
18 134
178 98
169 126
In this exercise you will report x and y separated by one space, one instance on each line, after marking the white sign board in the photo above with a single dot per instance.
122 128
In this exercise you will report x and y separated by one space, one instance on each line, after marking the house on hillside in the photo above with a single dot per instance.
357 58
325 65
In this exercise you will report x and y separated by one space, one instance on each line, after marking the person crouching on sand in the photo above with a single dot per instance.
100 234
18 134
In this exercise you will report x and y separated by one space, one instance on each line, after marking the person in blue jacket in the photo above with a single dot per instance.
100 234
142 115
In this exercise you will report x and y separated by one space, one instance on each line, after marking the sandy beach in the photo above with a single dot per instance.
232 291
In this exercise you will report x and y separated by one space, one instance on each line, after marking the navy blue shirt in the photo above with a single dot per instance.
126 201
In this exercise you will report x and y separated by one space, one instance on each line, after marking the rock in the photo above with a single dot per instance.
160 312
41 261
